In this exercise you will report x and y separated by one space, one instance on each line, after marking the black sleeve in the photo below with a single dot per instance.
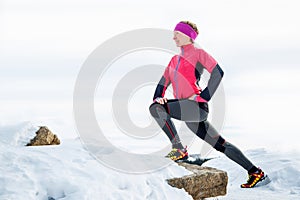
213 83
161 88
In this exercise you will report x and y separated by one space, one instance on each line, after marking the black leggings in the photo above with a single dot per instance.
194 114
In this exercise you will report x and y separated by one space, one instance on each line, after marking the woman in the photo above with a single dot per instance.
190 103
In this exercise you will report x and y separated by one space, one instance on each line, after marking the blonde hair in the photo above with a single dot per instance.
193 25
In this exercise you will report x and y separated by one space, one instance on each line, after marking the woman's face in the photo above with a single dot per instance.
181 39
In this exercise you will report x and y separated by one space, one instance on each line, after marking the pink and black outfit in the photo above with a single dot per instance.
184 72
190 103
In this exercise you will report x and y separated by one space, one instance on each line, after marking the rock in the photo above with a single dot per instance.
44 137
205 182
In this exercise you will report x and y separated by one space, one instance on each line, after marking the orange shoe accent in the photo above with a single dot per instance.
179 155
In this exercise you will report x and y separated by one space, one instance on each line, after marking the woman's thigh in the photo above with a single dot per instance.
186 110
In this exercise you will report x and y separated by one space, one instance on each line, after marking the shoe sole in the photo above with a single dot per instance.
264 181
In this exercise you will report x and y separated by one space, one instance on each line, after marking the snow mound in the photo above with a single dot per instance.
69 172
18 134
282 168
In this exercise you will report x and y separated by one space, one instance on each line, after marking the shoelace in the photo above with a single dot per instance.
180 155
172 153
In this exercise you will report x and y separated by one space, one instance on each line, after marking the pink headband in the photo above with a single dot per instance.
186 29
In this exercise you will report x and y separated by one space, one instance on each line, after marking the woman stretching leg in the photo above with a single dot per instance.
190 103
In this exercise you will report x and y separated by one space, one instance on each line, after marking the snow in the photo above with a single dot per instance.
68 171
282 168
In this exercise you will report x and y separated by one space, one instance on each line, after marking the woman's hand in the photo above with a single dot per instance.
161 100
193 97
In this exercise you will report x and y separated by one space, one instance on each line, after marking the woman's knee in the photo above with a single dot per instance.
154 107
221 144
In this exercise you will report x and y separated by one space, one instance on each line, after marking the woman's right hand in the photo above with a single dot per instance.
161 100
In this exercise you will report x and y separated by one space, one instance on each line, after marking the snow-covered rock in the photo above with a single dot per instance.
203 183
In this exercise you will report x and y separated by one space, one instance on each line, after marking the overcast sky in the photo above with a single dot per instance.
76 27
53 38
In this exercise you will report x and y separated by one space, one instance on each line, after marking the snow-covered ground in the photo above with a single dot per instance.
68 171
282 168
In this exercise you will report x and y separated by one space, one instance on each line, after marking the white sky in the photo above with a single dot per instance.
60 34
44 36
69 24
